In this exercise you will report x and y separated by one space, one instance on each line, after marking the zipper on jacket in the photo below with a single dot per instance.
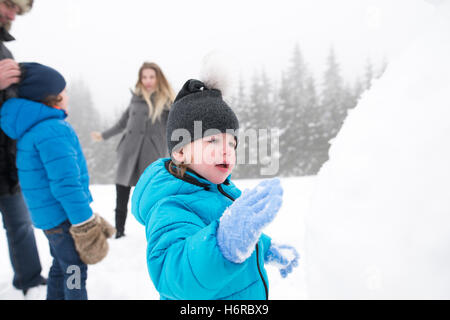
260 273
219 187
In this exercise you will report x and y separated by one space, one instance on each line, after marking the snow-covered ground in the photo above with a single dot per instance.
123 273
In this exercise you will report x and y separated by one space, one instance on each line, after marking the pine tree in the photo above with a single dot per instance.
357 90
306 121
382 69
85 118
316 147
292 107
239 103
369 75
264 99
256 118
333 107
82 115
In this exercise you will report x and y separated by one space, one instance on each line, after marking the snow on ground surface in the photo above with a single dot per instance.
123 273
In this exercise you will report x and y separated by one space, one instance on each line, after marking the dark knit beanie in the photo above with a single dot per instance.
39 81
196 102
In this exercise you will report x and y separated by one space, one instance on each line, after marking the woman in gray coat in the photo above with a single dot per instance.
144 134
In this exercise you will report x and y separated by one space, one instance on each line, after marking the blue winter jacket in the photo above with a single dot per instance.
181 217
51 166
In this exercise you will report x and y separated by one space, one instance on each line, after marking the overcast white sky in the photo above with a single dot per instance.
104 42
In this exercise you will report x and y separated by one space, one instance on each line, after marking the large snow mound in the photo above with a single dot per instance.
379 222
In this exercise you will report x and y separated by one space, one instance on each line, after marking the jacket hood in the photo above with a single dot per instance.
20 115
158 183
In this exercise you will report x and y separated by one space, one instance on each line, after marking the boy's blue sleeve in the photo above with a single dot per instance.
59 157
183 257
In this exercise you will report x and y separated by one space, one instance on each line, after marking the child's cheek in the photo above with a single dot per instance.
233 160
197 154
209 154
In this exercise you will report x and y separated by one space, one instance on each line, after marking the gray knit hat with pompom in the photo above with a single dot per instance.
199 109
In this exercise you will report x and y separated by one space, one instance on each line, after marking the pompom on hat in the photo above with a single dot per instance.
202 102
198 103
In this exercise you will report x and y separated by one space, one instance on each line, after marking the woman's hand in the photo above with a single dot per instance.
96 136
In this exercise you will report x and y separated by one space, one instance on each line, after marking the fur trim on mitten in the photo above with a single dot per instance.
91 239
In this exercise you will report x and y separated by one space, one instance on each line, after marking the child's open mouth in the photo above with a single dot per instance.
223 166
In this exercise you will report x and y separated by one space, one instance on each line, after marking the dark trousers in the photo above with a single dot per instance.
21 241
122 197
68 274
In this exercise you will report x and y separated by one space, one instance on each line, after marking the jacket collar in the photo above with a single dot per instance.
194 178
5 35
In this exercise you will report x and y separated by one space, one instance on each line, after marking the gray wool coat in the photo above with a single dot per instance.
142 142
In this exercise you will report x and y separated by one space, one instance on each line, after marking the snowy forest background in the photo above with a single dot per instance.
308 111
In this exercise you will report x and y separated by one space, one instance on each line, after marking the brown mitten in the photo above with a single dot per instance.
91 239
107 228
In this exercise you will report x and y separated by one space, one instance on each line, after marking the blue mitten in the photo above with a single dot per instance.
241 224
284 257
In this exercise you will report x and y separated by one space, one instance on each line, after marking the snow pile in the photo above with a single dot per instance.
379 220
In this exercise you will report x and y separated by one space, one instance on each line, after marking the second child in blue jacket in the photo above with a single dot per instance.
204 238
53 176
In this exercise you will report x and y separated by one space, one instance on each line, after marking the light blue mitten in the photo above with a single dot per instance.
284 257
241 224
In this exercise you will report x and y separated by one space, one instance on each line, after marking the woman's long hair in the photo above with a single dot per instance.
163 94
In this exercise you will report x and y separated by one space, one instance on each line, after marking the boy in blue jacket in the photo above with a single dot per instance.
204 238
54 179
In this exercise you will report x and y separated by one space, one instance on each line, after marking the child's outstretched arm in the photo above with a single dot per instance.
184 260
241 224
59 156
